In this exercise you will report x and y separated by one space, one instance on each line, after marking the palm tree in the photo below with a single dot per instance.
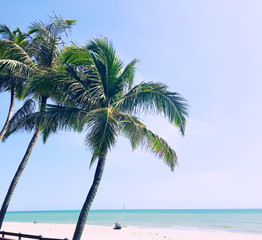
44 49
13 80
101 99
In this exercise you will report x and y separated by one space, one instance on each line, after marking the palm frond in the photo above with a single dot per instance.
58 25
127 77
37 27
86 86
6 33
139 135
46 132
4 82
18 84
46 83
53 119
13 52
27 109
20 38
102 132
64 118
123 82
107 63
154 98
57 118
130 127
43 46
75 91
47 39
75 56
15 67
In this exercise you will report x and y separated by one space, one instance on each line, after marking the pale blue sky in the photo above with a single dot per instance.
209 51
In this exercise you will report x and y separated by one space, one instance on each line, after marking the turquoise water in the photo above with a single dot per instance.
234 220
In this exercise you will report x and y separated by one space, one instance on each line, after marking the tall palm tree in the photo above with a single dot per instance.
44 49
100 98
12 80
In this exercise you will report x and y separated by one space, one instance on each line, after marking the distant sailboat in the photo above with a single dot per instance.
118 224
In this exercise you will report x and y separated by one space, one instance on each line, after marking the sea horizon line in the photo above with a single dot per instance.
135 209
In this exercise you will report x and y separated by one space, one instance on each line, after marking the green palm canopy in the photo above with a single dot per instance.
40 58
15 67
100 99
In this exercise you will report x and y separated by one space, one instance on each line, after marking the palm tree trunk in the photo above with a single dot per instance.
10 112
89 199
17 176
21 166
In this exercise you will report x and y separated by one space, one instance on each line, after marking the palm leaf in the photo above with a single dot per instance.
15 59
6 32
53 119
102 132
43 46
4 82
46 83
127 77
139 135
8 82
48 38
76 56
123 82
86 85
107 63
15 67
75 91
154 98
27 109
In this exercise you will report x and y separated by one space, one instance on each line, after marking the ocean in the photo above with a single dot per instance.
232 220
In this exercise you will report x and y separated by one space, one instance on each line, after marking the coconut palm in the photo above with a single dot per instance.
44 48
99 97
13 80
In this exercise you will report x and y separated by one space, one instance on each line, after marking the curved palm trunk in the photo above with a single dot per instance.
21 167
10 112
89 199
17 176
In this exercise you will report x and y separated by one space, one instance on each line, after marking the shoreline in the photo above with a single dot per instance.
97 232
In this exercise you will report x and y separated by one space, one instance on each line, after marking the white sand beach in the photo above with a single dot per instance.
126 233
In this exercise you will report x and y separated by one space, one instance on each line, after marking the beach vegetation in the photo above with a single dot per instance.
100 98
41 56
15 67
91 91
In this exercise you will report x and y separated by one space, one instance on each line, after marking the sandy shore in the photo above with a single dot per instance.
126 233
